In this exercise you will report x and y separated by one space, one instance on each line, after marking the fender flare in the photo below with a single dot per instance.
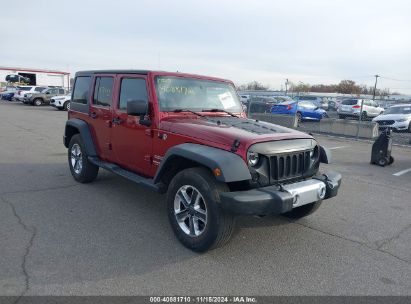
82 127
232 166
325 155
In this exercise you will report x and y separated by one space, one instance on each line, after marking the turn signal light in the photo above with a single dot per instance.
217 171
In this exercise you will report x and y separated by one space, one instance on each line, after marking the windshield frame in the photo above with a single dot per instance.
229 84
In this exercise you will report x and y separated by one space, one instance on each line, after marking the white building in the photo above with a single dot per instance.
38 76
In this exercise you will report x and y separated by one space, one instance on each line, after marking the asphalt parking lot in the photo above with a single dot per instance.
112 237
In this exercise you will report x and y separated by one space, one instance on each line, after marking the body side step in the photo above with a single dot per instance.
147 182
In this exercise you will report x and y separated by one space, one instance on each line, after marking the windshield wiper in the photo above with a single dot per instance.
187 110
220 110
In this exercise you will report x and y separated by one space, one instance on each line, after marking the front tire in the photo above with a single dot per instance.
81 168
303 211
194 212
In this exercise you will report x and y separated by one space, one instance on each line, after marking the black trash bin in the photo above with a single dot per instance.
381 149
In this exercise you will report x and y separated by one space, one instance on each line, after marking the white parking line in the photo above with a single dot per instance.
339 147
402 172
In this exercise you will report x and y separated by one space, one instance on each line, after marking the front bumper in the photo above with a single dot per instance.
403 125
280 199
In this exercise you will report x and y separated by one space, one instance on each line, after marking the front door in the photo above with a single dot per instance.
132 142
101 114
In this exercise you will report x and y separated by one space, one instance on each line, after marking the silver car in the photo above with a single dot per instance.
352 108
396 117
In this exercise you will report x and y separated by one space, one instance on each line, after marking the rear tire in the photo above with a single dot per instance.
201 224
81 168
66 105
37 102
303 211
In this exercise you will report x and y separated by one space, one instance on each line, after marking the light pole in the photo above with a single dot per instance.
286 86
375 86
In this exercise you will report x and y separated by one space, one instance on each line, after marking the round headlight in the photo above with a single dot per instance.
252 158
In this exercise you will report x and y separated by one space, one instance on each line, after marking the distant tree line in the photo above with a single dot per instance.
344 87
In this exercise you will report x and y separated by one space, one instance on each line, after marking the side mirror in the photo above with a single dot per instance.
47 92
137 107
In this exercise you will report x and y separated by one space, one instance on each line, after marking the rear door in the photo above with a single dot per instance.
101 114
132 142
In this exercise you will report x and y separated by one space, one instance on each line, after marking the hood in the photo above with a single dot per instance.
392 117
225 130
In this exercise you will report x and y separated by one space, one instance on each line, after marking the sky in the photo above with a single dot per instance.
317 41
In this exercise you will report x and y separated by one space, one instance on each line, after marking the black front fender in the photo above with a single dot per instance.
232 166
325 155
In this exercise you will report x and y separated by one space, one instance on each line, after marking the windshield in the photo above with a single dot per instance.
25 88
398 110
195 94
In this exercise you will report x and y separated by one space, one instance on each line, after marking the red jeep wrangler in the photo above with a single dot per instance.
187 136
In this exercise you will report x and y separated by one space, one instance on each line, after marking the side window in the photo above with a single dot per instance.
310 105
103 91
61 91
81 89
366 103
132 89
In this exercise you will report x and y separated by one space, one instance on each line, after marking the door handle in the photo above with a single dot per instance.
93 115
117 120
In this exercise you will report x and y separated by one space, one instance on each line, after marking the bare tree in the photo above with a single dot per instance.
254 85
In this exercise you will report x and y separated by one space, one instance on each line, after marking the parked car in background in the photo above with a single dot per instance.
61 102
334 104
263 104
320 102
22 90
397 117
244 99
7 95
303 110
352 108
37 99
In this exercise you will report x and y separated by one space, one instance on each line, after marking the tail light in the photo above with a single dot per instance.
356 107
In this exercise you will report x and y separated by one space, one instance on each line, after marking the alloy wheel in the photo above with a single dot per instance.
76 158
190 210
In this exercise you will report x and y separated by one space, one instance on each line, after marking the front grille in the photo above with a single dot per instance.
385 122
289 166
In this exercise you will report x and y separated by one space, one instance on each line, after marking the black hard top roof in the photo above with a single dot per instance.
85 73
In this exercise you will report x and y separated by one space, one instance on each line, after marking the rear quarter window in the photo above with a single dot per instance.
81 90
350 102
